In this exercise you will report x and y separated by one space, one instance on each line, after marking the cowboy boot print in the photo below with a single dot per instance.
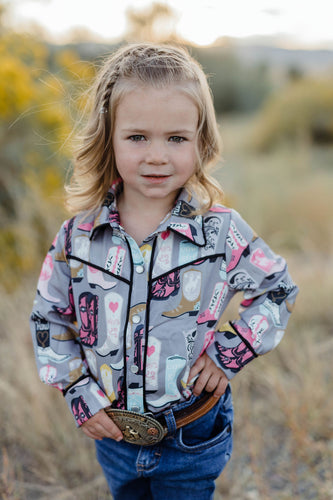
106 374
191 291
95 278
113 303
211 314
174 366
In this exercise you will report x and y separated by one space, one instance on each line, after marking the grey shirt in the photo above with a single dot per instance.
122 324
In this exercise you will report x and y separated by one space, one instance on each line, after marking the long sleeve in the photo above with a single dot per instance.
269 296
60 359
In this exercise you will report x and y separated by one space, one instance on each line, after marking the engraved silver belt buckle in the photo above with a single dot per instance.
137 428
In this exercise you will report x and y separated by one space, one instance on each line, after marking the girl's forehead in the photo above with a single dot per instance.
146 99
137 87
157 111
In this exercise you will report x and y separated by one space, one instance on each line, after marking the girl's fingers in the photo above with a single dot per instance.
90 434
100 425
201 382
221 387
212 383
110 428
208 376
195 370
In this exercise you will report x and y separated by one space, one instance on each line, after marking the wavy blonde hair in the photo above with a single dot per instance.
148 64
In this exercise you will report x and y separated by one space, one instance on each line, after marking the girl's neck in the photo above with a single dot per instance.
140 220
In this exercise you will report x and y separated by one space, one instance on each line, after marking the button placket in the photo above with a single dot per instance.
137 321
139 269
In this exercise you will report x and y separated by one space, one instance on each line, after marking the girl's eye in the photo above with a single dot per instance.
177 138
137 138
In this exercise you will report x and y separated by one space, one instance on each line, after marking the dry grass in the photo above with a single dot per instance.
283 404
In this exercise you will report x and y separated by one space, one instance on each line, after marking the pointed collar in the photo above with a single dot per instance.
108 213
183 222
180 220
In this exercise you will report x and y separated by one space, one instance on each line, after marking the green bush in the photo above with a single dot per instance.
236 87
302 111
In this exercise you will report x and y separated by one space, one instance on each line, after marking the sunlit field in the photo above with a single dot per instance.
283 401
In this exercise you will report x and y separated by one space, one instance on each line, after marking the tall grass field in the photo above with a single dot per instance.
283 432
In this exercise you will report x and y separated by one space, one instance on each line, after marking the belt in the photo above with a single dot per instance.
145 429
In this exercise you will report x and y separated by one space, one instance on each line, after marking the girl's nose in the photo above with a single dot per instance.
157 153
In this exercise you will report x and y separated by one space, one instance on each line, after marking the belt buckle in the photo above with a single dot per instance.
137 428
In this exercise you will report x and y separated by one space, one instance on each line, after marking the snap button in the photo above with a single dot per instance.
135 408
134 369
136 319
139 269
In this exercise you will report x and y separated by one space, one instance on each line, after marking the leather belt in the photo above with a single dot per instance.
146 430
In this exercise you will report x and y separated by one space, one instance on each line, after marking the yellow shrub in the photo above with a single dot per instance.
17 89
74 68
37 105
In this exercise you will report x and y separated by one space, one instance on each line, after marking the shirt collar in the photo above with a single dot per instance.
181 219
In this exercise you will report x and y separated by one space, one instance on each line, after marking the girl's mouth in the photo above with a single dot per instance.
156 179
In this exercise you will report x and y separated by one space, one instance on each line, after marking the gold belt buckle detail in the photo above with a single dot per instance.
137 429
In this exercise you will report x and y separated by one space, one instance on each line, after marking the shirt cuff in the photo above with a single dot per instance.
229 352
85 399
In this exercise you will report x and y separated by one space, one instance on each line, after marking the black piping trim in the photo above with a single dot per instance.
190 239
116 276
150 281
126 323
246 342
192 262
96 229
68 388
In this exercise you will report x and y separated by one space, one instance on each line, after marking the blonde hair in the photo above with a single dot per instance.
95 168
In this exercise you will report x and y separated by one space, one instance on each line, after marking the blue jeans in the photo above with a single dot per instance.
184 465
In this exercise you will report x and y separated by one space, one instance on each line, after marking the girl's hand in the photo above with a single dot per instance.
211 378
100 426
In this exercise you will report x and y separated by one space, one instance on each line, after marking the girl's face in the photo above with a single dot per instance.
154 142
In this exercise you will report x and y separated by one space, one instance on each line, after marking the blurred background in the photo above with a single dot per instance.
270 67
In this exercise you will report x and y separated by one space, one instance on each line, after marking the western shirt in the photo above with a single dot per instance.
121 324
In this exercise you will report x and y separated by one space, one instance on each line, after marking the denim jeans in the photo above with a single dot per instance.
184 465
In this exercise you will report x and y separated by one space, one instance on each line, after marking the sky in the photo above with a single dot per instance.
199 21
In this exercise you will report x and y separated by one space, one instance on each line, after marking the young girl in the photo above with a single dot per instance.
126 321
